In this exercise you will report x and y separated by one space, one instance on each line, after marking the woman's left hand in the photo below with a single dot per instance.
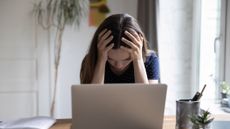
136 44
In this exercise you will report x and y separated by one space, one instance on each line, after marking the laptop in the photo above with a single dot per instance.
118 106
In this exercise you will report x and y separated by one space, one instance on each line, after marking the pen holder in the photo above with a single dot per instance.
184 110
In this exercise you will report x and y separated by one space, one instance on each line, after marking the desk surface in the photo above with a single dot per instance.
169 122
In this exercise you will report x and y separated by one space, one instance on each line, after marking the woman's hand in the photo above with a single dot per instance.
104 39
136 44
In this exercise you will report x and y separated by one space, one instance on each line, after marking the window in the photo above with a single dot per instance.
211 49
209 46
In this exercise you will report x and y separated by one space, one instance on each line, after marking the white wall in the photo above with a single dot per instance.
75 45
24 73
175 49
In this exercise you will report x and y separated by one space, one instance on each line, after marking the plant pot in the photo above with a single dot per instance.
228 98
223 95
206 126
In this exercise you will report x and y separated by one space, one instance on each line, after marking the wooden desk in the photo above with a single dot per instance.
169 122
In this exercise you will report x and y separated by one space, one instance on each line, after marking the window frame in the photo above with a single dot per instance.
223 75
227 43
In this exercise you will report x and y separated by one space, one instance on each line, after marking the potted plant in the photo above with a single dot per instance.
225 89
56 15
202 121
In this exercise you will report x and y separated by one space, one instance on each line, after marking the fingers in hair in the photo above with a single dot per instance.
129 43
109 47
134 34
107 41
102 33
103 38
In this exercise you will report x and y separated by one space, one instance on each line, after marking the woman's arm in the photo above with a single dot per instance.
104 39
136 44
140 72
99 73
135 51
141 75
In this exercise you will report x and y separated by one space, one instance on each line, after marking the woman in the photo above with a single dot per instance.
118 54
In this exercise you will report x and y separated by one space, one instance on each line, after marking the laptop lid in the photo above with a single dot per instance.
118 106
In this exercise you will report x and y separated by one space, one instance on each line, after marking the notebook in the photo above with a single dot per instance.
118 106
38 122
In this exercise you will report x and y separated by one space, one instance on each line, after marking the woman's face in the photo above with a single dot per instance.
119 60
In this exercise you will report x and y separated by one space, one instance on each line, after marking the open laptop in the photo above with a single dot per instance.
118 106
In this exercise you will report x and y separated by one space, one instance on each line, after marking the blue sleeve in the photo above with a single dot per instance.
152 67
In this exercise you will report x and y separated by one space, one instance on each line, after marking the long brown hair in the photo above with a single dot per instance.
117 23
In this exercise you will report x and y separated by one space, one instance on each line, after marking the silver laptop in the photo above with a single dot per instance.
118 106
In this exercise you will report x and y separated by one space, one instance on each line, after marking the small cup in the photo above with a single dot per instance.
184 109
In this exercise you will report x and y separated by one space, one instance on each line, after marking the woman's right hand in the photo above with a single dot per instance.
104 39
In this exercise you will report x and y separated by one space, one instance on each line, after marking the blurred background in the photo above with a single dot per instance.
191 38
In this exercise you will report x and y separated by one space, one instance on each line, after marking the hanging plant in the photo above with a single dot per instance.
59 14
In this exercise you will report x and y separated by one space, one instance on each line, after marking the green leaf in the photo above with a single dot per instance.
201 119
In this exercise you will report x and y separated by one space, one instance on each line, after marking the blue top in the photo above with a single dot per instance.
151 66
